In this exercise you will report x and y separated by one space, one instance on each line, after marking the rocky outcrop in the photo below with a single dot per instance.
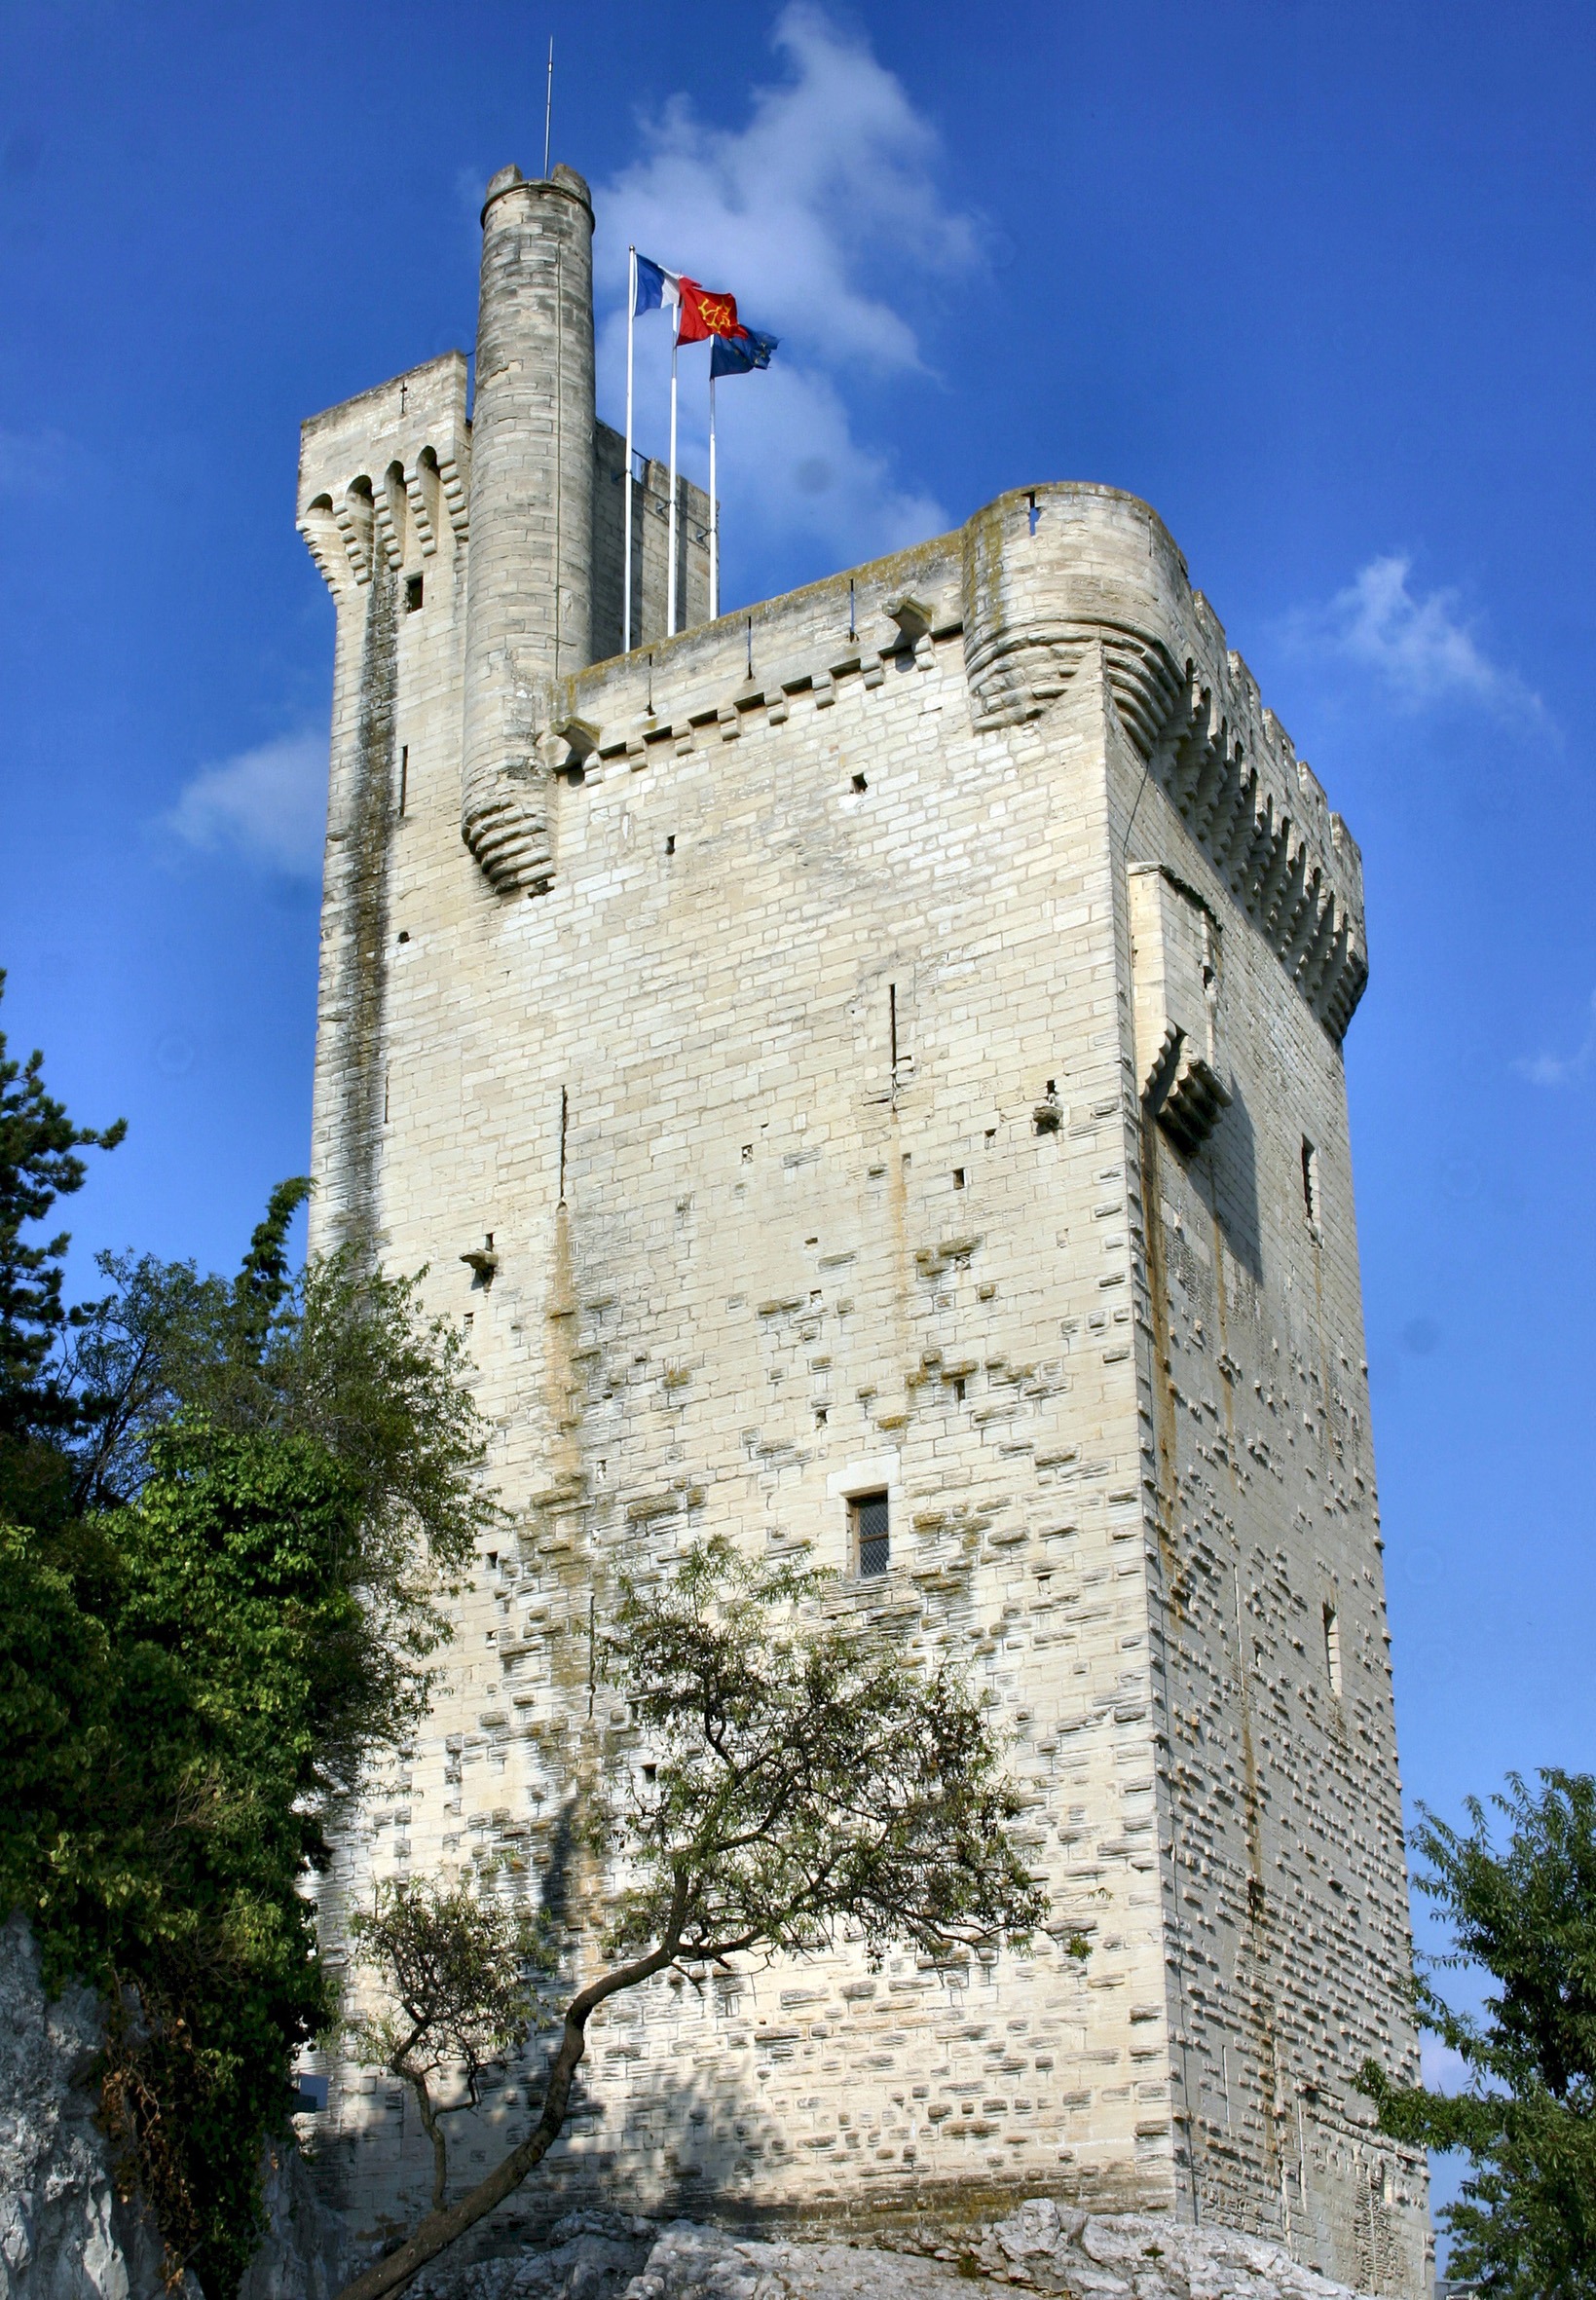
301 2256
1044 2247
64 2234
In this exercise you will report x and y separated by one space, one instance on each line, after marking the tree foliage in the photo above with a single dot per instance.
260 1490
458 1995
1525 2224
788 1783
39 1163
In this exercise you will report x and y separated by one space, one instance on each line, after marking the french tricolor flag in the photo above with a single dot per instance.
655 288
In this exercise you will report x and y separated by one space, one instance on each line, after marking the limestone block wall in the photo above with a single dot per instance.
384 508
1286 1890
651 547
764 1103
801 1105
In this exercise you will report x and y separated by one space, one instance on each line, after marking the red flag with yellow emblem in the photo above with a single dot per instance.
704 315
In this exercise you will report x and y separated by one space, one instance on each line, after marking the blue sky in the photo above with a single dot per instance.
1314 279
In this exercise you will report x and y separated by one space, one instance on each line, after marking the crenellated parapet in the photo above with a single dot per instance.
1034 586
386 478
1053 573
1260 815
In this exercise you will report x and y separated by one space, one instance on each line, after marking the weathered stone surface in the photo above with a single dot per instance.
301 2256
64 2234
1044 2247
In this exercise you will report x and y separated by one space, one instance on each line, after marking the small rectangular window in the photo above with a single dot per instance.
871 1546
1310 1181
412 594
1332 1649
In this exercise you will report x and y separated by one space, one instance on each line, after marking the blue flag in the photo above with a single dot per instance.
740 355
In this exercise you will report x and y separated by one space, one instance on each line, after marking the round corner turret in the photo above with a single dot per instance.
1050 569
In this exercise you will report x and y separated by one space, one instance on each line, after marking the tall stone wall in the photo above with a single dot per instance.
1286 1893
902 1055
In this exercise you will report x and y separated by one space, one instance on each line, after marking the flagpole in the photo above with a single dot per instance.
714 512
626 475
548 106
670 585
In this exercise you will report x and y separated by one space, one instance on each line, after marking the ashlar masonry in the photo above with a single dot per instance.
869 1072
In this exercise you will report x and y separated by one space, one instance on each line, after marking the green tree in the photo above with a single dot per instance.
785 1783
39 1164
277 1479
1525 2224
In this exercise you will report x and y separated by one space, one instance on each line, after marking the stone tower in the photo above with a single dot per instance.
868 1072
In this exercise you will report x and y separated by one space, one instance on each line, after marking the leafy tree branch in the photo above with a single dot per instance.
1525 2224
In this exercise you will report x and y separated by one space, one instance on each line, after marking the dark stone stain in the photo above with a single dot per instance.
363 906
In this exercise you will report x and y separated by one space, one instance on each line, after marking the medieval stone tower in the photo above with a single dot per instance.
868 1074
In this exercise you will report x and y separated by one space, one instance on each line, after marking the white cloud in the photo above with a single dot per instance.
1417 642
823 215
269 805
1562 1069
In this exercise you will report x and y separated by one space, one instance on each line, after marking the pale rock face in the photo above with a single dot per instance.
64 2235
1043 2247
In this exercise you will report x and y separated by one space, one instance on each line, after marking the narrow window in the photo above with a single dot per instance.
959 1177
1332 1647
404 776
860 784
867 1524
1310 1181
413 594
958 1390
670 844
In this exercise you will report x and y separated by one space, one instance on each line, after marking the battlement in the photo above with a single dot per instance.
387 469
1031 585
